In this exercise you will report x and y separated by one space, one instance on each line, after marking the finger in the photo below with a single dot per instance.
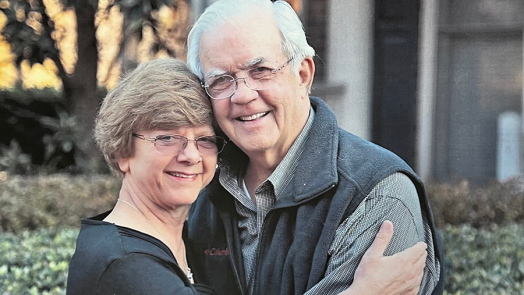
413 283
413 253
382 240
421 262
420 275
414 291
418 281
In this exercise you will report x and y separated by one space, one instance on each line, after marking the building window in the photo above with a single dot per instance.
480 65
314 18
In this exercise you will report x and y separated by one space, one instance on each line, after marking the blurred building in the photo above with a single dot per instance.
431 80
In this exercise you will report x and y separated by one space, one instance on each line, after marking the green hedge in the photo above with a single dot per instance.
55 201
482 228
478 261
485 261
60 200
35 262
478 205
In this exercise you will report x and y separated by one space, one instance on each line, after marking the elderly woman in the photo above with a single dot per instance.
155 131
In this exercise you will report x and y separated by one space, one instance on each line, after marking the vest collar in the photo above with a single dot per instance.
317 168
316 171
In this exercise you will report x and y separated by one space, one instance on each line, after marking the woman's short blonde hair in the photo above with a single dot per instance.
158 95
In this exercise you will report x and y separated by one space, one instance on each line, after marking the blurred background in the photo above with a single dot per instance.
439 82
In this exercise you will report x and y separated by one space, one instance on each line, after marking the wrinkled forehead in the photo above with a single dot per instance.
247 66
239 44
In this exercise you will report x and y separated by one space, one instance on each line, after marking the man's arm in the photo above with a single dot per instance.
395 199
400 273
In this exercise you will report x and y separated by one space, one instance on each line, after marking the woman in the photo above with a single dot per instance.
155 131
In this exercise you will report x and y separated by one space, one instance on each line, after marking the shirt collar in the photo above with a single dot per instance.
285 170
231 178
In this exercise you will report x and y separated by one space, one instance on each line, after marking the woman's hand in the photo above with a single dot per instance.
389 275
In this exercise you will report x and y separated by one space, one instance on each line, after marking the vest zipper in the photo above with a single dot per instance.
253 276
232 260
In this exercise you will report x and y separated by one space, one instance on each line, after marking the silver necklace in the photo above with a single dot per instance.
189 274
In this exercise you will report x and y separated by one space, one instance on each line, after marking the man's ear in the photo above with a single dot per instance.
123 164
306 73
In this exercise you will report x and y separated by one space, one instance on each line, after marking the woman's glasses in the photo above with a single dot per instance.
173 144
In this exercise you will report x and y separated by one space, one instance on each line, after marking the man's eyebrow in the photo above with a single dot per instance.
214 73
256 61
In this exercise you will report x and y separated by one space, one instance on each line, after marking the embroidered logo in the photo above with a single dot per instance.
217 252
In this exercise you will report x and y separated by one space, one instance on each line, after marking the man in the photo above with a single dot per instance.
297 201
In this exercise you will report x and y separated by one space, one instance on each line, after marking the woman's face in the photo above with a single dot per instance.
169 180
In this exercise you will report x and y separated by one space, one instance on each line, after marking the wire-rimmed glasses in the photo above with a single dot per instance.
173 144
224 86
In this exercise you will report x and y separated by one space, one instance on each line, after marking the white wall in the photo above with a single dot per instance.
349 64
428 37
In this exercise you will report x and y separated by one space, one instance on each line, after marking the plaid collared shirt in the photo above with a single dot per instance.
394 198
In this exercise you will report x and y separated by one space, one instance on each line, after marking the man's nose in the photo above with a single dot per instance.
243 93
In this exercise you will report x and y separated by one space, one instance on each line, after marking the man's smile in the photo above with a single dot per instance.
252 117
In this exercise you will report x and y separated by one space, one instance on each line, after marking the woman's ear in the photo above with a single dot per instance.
123 164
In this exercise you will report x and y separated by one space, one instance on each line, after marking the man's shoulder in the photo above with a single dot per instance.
350 147
367 163
355 149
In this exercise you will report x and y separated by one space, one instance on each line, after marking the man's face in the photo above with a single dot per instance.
258 121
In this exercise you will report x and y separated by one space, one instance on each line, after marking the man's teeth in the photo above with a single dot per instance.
252 117
176 174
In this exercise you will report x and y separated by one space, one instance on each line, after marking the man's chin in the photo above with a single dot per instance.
255 147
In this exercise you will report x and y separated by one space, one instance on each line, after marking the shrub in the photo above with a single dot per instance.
465 202
484 261
35 262
478 261
32 202
37 123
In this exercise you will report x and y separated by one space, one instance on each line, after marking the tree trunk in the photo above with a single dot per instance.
81 92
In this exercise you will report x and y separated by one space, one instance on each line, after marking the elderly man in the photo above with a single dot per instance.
297 201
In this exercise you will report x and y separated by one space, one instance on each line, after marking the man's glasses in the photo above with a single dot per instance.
173 144
224 86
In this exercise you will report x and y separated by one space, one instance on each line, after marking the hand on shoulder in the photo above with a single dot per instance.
389 275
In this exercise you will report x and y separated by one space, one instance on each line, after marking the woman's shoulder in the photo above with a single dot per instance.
111 258
97 239
98 244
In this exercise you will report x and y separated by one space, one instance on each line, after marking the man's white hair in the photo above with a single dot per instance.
294 44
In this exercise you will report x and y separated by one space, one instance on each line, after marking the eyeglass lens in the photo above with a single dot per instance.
225 86
173 144
257 79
